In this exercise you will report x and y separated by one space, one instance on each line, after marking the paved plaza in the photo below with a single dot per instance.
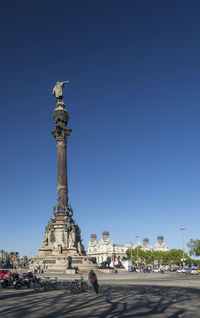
121 295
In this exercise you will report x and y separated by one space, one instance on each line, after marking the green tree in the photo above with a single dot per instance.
176 256
25 259
2 255
148 257
194 247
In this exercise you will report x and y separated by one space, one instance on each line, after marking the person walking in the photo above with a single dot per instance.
92 277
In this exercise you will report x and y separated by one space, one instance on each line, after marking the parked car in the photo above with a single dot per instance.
181 270
156 270
188 270
172 270
7 273
194 271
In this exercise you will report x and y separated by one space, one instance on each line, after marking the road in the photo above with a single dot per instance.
121 295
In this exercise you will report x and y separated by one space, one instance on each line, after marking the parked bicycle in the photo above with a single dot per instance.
46 284
79 286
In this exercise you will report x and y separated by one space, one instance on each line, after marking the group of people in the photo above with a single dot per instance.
38 269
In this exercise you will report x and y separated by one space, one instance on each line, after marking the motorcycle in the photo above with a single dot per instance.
20 282
30 277
7 281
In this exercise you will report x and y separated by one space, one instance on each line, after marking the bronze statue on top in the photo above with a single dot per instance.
58 91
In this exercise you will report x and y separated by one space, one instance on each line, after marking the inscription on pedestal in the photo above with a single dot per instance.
77 261
49 261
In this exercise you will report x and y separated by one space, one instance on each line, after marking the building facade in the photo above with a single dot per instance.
106 248
146 246
160 245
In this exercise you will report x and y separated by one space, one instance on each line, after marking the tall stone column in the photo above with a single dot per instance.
62 240
61 133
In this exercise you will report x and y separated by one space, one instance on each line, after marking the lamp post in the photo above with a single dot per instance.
183 229
137 248
131 249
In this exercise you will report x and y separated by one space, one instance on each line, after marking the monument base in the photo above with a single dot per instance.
59 264
70 271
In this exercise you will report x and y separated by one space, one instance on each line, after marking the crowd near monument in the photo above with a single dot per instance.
62 247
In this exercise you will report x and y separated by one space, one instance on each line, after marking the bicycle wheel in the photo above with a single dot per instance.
57 286
84 287
73 287
79 288
46 286
36 286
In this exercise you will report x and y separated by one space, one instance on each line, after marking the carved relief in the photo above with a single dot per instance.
60 260
52 237
71 242
45 240
60 116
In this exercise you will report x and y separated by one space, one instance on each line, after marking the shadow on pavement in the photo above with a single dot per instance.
112 301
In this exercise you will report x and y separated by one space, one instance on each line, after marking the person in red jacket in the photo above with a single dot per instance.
92 277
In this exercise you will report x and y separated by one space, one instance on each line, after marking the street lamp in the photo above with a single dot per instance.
183 229
131 245
137 248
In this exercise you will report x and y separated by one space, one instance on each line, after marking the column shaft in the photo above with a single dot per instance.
62 188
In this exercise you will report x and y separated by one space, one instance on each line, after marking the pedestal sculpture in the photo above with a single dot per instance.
62 239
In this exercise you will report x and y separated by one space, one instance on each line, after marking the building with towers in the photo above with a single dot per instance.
106 248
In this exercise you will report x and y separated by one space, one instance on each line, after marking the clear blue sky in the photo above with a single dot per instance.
134 106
